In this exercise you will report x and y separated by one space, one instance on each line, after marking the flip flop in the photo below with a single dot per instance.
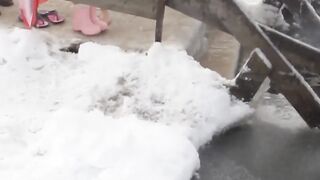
52 16
40 22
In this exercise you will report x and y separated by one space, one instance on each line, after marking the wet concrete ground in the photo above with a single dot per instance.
274 144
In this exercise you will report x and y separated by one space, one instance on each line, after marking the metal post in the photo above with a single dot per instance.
159 20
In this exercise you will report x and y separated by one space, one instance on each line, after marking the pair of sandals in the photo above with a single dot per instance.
44 18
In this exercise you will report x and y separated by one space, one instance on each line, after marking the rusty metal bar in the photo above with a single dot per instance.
303 56
254 72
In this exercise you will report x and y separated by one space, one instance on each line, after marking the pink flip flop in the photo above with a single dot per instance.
40 22
52 16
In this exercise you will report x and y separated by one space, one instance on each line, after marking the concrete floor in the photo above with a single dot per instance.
222 53
126 31
274 144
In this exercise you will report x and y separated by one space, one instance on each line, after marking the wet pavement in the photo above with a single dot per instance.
275 144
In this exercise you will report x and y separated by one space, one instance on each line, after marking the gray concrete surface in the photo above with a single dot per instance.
222 53
274 144
127 31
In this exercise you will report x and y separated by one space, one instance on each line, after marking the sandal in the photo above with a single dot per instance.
40 22
51 16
